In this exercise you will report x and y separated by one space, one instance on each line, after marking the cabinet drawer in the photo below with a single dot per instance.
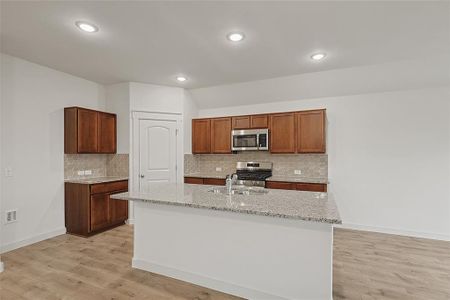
193 180
280 185
311 187
214 181
109 187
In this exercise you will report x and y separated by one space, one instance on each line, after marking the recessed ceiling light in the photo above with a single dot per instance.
86 27
235 36
181 78
318 56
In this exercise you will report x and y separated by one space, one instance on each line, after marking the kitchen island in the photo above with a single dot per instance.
272 245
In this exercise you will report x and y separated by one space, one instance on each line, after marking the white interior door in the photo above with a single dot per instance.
157 152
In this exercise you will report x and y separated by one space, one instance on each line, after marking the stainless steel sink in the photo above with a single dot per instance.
239 191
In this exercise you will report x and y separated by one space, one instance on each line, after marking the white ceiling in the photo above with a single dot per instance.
154 42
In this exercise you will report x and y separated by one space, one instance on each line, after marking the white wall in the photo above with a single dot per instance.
165 99
156 98
32 124
389 153
190 112
394 76
118 102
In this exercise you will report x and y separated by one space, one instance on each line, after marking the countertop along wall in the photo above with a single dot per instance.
32 124
388 151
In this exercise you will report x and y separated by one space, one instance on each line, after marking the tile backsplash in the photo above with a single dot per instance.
100 164
311 165
117 165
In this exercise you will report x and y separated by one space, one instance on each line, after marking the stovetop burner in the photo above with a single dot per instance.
253 173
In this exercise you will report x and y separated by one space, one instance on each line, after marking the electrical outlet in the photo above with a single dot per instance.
8 172
11 216
80 173
298 172
218 169
87 172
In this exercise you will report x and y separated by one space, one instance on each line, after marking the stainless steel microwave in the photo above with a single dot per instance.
250 139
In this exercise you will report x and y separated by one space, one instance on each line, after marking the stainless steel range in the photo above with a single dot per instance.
253 173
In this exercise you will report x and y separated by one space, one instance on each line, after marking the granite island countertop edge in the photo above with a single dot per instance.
331 221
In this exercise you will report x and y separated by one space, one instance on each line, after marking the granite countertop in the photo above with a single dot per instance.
298 179
221 175
94 180
218 175
306 206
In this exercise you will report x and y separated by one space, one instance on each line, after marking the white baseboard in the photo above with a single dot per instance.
130 221
425 235
2 267
32 240
201 280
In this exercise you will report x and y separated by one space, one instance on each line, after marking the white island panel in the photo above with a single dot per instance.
255 257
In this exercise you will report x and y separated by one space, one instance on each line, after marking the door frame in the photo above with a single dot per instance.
136 116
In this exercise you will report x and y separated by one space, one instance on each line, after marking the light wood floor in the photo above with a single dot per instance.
369 265
366 266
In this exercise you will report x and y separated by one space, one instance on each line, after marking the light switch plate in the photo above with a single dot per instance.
87 172
298 172
218 169
80 173
8 172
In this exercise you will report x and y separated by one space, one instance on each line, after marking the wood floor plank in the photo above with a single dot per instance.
367 266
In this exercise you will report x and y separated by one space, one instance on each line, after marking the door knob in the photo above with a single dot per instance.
142 175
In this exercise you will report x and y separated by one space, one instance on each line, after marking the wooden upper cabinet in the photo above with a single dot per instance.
282 133
259 121
201 136
311 131
89 131
253 121
241 122
221 135
107 133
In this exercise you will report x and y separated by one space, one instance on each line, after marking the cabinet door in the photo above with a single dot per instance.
311 131
282 133
99 211
107 140
241 122
214 181
201 136
259 121
193 180
280 185
118 211
221 135
311 187
87 131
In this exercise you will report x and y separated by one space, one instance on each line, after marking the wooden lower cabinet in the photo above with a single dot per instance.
193 180
118 211
280 185
89 208
207 181
99 211
311 187
214 181
307 187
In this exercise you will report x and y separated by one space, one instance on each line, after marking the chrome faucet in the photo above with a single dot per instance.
230 180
